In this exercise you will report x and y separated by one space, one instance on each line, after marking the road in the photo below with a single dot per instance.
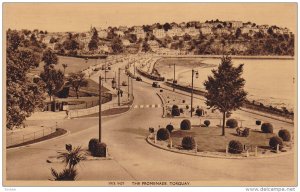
133 158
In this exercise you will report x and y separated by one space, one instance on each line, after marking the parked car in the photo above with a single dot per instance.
155 84
138 78
124 83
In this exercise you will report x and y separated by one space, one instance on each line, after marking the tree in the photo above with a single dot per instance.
146 47
76 81
238 32
64 66
117 45
53 79
167 26
49 57
23 96
93 44
225 89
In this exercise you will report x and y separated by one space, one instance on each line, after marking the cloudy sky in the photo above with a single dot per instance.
80 16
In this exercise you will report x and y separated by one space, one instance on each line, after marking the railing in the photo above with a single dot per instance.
12 140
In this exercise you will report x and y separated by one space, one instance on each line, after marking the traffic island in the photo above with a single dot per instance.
207 142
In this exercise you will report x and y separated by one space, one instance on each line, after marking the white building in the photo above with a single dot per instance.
206 30
159 33
123 28
192 31
102 34
126 42
139 32
175 31
119 33
222 31
236 24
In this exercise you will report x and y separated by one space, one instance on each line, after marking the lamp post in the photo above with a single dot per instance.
192 91
100 102
173 77
119 89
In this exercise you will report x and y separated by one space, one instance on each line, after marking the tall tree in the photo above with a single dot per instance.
23 96
53 79
76 81
225 89
64 66
49 57
93 44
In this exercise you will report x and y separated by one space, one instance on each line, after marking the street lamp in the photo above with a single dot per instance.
192 91
119 89
174 81
100 102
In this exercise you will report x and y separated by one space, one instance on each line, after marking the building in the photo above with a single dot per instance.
222 31
236 24
119 33
206 30
203 25
102 34
126 42
139 32
175 31
159 33
192 31
123 28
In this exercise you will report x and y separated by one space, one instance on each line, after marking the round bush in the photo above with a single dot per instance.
175 107
246 132
163 134
199 112
188 143
183 101
181 110
100 150
175 112
258 122
274 141
187 107
185 124
285 135
206 123
267 128
92 144
170 128
235 147
231 123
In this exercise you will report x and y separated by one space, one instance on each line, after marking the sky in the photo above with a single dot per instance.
78 17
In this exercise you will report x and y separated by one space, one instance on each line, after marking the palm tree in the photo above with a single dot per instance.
64 66
71 158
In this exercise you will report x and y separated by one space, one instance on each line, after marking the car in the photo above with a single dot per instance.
138 78
155 84
124 83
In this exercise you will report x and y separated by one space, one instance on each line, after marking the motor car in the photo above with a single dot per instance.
138 78
155 84
124 83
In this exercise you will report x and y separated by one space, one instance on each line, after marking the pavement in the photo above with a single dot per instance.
134 159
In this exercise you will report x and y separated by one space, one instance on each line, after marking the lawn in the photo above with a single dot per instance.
210 139
74 64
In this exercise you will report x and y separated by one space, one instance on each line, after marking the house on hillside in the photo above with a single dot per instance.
206 30
175 31
139 32
192 31
159 33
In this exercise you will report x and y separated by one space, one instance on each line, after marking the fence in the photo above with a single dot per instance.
18 139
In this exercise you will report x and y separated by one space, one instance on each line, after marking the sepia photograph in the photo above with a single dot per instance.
150 94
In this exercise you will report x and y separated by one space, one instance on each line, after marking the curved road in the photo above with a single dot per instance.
133 158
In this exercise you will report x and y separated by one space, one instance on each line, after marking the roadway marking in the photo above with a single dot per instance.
147 106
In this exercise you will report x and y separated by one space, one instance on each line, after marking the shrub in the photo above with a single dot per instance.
231 123
92 144
246 132
267 128
199 112
174 107
163 134
183 101
181 110
235 147
258 122
170 128
188 143
274 141
100 150
65 175
185 124
193 109
206 123
285 135
187 106
175 112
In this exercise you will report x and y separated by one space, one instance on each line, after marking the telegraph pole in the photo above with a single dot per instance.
100 106
119 87
192 92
